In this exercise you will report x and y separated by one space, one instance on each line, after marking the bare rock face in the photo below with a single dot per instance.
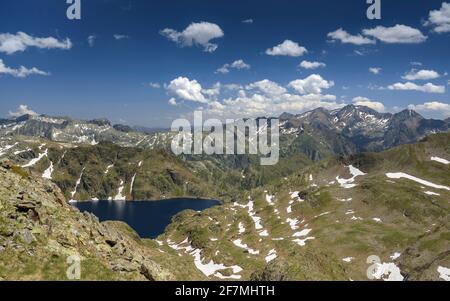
37 222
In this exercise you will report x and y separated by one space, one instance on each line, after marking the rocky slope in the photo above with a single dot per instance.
66 129
107 171
39 231
353 129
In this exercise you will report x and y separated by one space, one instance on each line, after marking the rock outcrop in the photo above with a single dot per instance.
39 231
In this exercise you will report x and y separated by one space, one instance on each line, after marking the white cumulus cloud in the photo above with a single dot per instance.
121 36
187 89
20 72
434 108
421 75
346 38
199 34
399 33
257 99
238 65
22 110
313 84
173 101
213 92
287 48
267 87
364 101
440 19
311 65
426 88
154 85
12 43
91 40
375 70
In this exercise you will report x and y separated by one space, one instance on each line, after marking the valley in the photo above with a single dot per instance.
351 185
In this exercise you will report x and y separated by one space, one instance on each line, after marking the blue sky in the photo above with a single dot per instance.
112 76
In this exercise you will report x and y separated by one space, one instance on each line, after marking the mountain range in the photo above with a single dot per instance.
351 184
316 133
323 222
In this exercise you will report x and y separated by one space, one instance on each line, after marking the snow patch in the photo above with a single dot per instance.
348 259
269 199
399 175
345 200
72 194
36 160
264 233
132 183
251 213
349 183
238 243
387 272
302 233
20 151
302 242
119 196
440 160
108 168
208 269
296 196
292 223
241 228
48 172
4 149
322 214
271 255
431 193
220 276
444 273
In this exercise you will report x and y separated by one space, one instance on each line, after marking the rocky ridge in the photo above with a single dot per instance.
39 230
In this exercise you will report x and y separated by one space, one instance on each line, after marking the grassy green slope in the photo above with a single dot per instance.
379 216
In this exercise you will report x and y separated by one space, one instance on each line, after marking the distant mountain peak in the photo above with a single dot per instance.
23 118
101 122
286 116
408 113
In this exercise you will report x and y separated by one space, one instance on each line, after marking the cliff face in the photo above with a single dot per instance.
41 236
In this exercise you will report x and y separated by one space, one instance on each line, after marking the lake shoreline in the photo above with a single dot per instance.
152 200
149 219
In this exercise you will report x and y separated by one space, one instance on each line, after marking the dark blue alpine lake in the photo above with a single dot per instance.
147 218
